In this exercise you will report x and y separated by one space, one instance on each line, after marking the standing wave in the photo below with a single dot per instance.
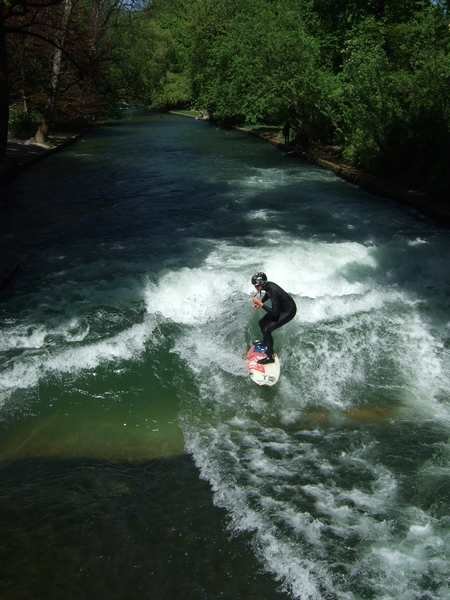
323 469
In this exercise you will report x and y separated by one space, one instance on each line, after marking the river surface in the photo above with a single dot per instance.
136 456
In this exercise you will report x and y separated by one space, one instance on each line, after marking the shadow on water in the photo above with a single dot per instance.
95 529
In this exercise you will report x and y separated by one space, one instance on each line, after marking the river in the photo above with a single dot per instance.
136 456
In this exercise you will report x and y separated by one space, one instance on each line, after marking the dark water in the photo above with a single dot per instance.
136 456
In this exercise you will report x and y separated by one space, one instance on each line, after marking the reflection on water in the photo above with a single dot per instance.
122 347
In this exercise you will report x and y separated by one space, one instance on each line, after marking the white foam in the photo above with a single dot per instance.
315 269
191 296
425 365
74 331
303 524
301 576
247 482
417 242
23 336
265 179
355 336
310 271
406 560
261 215
330 308
28 370
206 352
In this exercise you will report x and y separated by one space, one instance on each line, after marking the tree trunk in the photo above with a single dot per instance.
22 76
4 86
57 58
47 120
40 137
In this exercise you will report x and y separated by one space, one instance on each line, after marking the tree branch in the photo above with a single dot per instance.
50 42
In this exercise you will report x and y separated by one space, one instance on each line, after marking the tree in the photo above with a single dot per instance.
71 51
49 112
256 60
12 11
141 58
4 83
393 109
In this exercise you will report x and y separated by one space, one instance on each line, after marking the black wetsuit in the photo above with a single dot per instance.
282 311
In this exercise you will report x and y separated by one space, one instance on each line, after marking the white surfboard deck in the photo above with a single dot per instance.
262 374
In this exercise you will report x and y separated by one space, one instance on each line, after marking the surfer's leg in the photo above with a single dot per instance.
268 342
267 326
284 318
268 339
263 324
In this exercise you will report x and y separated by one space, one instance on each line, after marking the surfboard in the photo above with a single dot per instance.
262 374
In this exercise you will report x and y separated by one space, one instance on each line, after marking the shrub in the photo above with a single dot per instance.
23 124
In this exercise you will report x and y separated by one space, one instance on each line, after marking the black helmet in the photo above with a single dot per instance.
259 278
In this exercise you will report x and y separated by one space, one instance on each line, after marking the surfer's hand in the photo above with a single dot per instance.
257 303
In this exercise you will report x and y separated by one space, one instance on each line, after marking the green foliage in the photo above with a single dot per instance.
174 87
140 58
22 125
174 91
393 107
366 104
257 63
421 70
372 76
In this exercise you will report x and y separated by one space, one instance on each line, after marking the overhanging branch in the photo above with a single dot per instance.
49 41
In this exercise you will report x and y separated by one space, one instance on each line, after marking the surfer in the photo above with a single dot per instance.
282 311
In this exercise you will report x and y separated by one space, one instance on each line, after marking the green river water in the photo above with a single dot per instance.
136 457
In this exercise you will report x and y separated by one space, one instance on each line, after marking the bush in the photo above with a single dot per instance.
175 92
23 124
393 107
261 65
367 104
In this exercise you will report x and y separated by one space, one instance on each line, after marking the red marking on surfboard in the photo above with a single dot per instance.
252 360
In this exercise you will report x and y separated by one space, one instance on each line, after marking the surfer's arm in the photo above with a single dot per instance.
257 299
257 302
274 310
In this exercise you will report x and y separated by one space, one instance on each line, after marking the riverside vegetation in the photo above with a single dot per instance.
369 79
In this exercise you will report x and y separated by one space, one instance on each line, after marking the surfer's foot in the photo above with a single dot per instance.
266 361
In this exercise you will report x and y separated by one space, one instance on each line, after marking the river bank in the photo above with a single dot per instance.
21 154
327 158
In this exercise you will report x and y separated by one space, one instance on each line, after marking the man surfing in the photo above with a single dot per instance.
282 311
